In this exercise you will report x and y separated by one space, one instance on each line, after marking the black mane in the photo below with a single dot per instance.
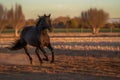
39 20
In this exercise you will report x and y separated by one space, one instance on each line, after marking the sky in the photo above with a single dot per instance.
72 8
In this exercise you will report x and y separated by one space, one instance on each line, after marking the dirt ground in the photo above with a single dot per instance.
89 60
15 66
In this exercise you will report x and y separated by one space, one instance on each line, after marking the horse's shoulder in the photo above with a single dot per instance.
26 29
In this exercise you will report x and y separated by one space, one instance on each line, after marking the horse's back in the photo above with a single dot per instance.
28 34
25 30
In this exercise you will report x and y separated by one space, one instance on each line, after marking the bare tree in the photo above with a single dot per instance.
94 19
1 17
110 26
18 19
14 18
10 16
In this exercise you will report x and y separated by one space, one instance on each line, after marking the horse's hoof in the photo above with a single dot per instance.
41 63
51 62
45 59
32 63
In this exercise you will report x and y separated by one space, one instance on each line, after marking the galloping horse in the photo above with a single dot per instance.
36 36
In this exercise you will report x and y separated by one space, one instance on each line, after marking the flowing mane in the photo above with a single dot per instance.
39 20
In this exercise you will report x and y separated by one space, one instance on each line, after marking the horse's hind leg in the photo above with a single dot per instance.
50 47
45 54
30 58
37 52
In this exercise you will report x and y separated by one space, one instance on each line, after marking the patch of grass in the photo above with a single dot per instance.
8 31
108 30
71 30
83 30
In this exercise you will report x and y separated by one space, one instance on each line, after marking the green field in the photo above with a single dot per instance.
57 30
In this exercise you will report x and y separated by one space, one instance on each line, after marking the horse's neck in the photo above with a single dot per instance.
41 30
44 32
38 29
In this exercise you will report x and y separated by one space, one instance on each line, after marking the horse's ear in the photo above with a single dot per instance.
45 15
49 15
39 16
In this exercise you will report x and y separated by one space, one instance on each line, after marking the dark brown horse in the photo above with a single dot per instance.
36 36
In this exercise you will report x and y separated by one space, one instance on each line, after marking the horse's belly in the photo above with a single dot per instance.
32 40
33 43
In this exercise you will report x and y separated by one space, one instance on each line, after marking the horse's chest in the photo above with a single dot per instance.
44 40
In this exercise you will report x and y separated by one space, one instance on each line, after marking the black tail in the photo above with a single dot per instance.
19 44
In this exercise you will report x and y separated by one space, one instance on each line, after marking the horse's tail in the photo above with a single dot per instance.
19 44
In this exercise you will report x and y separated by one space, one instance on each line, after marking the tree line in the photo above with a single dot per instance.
13 17
93 18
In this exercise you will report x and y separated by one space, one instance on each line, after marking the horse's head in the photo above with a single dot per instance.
45 22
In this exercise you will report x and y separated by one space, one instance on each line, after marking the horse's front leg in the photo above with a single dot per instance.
30 58
50 47
44 53
37 53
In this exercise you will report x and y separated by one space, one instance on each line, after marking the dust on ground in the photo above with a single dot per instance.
68 66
